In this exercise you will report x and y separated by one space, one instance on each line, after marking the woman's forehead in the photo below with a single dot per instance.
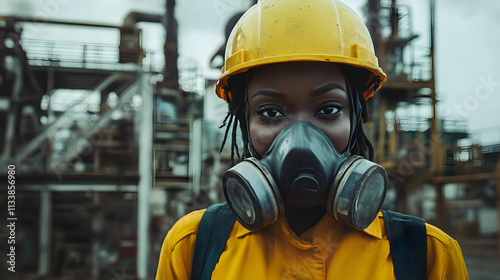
289 68
296 73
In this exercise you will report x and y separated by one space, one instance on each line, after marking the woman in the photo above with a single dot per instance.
306 197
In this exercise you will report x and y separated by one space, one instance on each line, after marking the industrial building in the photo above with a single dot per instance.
111 144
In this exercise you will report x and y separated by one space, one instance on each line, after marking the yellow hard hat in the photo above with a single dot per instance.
274 31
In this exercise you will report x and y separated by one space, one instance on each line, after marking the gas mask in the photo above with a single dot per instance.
302 168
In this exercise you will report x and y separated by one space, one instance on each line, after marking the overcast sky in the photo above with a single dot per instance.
467 40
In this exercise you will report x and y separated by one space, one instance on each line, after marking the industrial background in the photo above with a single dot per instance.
114 135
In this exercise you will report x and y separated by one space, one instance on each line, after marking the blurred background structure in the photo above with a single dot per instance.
114 140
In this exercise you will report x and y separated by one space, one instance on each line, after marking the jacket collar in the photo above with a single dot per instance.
374 229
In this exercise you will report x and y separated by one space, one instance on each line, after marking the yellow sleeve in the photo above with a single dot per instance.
176 254
444 257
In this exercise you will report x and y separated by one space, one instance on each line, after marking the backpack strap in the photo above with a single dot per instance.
408 240
211 237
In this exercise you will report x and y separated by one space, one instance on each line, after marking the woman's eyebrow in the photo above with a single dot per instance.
326 88
269 93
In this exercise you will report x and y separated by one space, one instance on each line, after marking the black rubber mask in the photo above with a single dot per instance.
303 169
303 162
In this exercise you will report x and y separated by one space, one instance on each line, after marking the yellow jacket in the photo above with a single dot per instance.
328 250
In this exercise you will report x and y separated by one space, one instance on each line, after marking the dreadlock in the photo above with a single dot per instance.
236 115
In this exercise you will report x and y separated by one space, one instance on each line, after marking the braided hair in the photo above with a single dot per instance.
236 115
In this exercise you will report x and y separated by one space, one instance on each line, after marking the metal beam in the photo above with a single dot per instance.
463 178
12 116
497 180
45 232
195 155
440 206
34 20
78 188
146 177
434 130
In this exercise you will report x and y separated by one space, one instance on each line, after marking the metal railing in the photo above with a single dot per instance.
72 52
80 55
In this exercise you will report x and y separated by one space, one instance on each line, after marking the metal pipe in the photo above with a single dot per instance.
74 187
394 20
434 123
373 22
134 17
497 179
45 232
12 117
146 177
171 70
23 19
195 155
130 20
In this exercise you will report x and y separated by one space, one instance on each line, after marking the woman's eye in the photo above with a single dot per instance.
270 113
332 109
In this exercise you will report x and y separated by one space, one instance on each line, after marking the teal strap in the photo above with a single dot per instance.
211 237
408 240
